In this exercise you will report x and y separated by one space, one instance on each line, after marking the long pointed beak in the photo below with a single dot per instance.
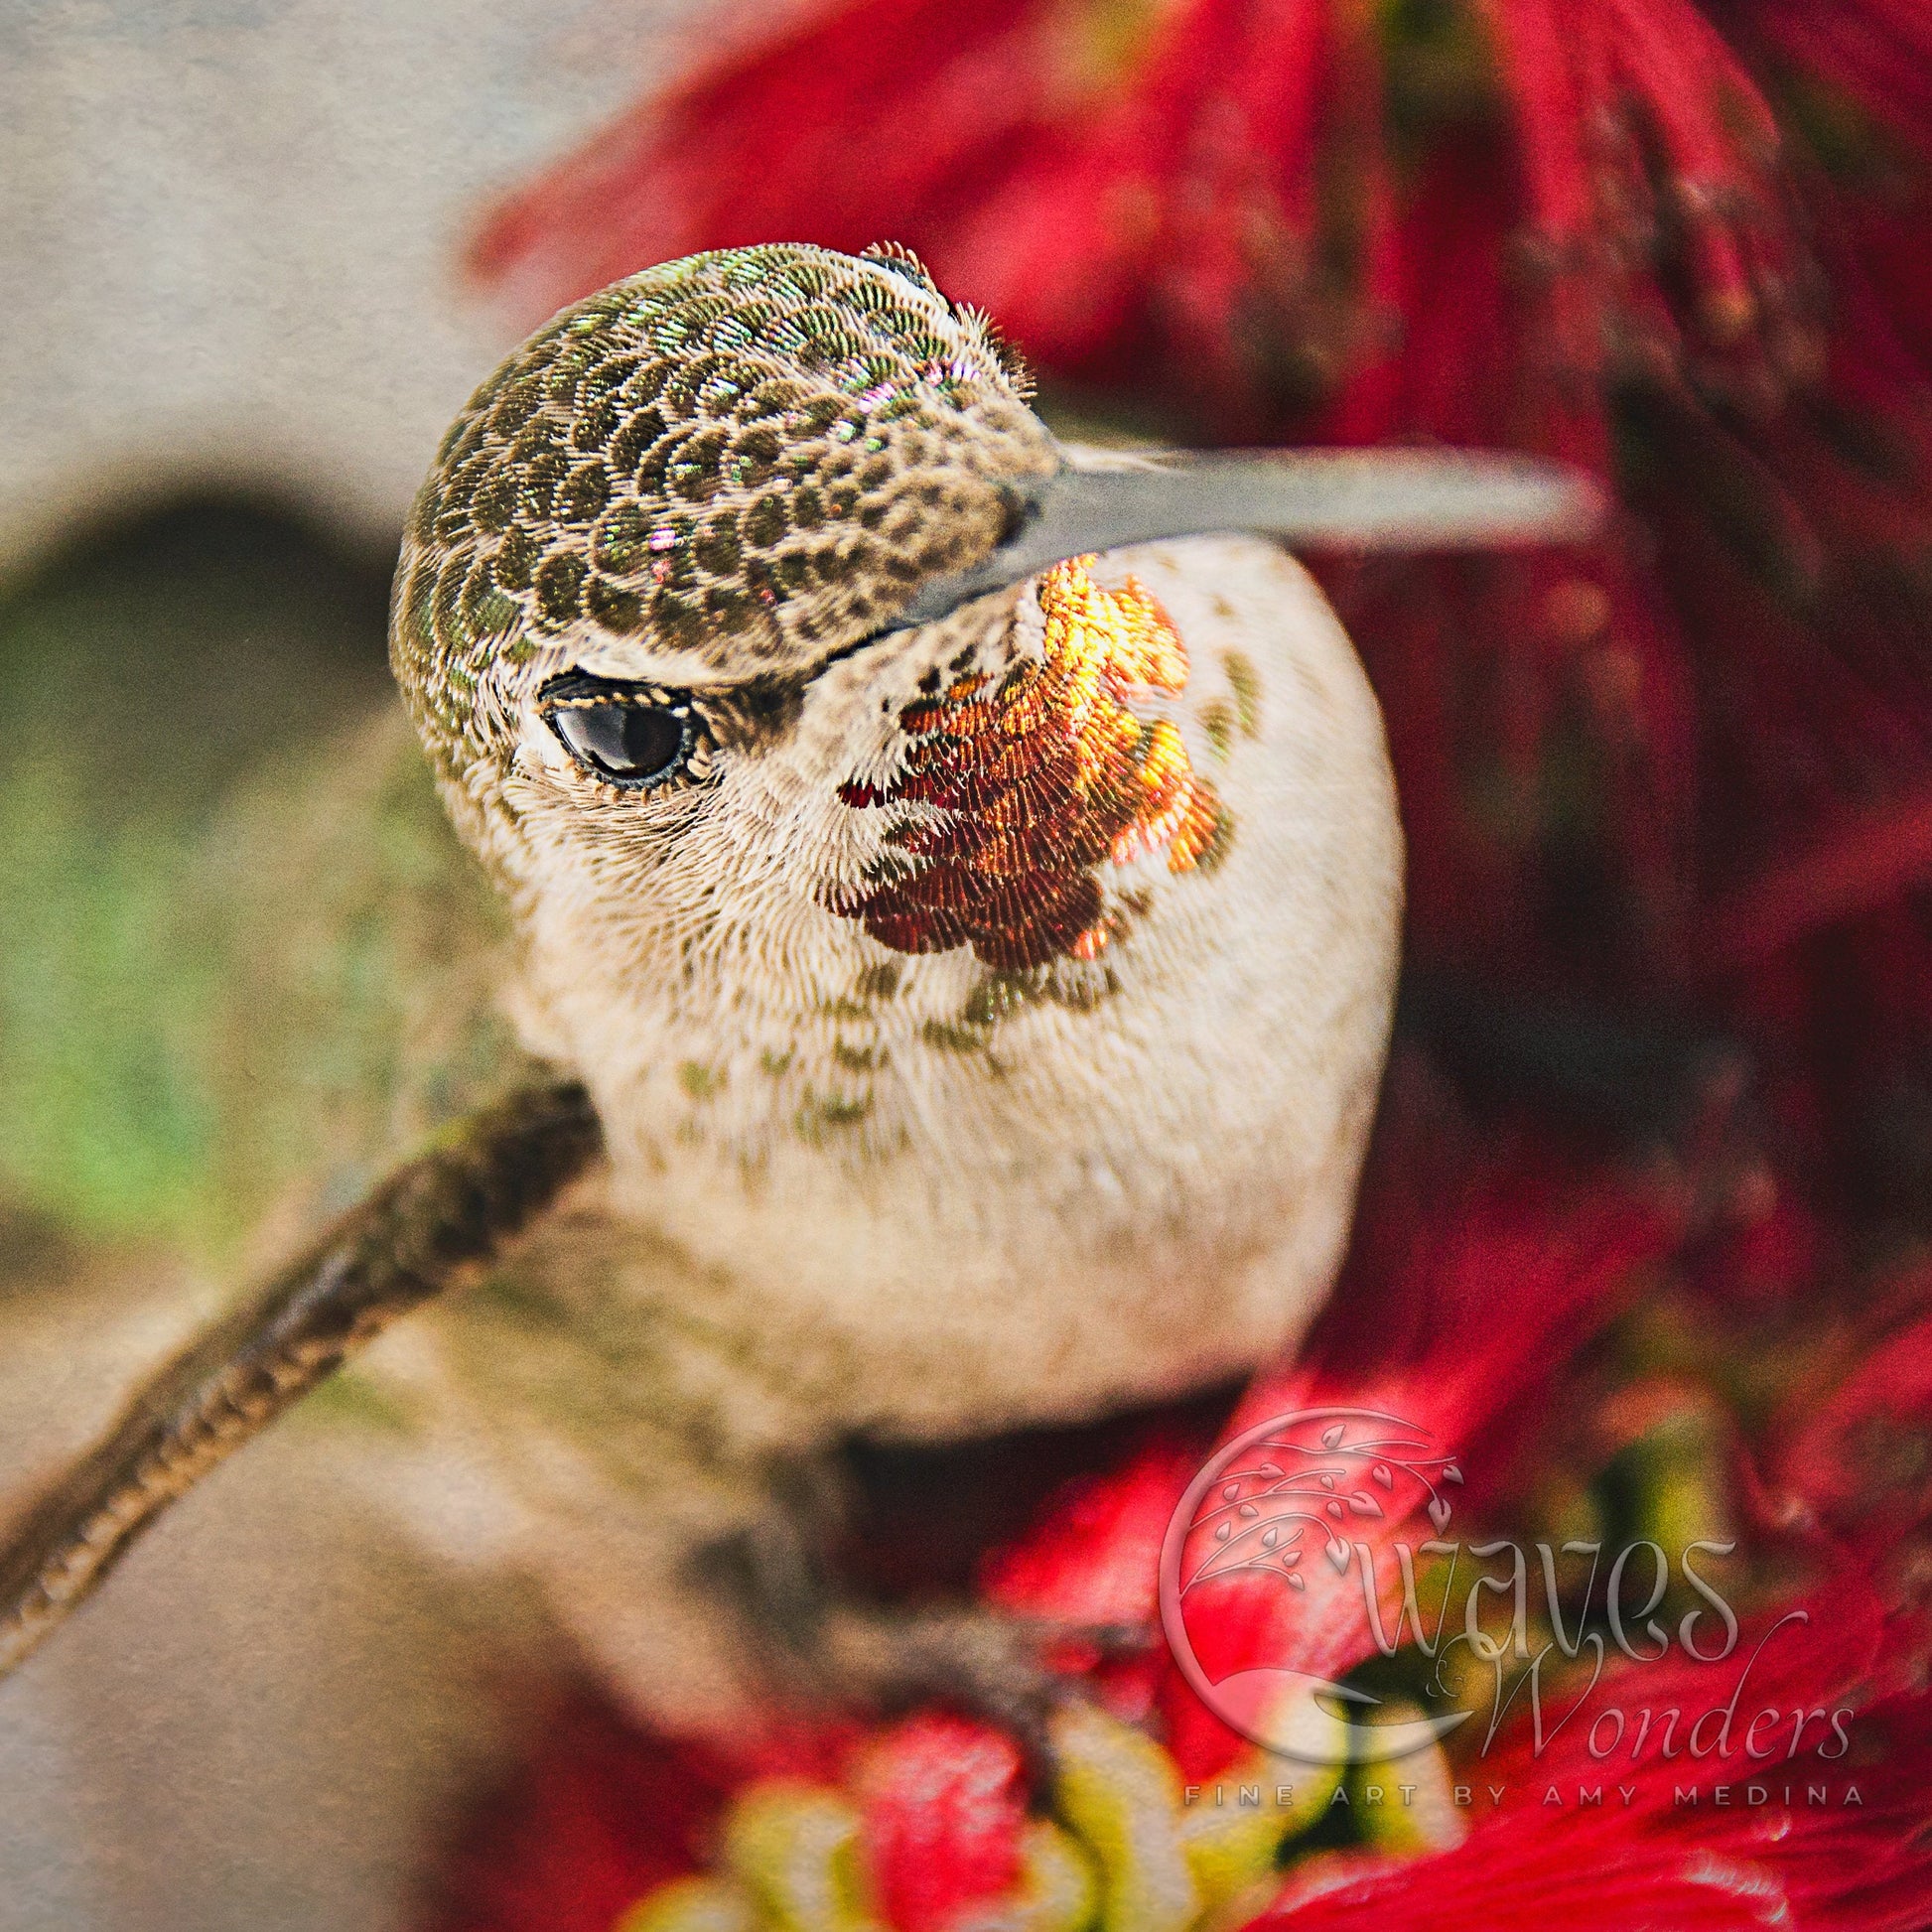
1354 499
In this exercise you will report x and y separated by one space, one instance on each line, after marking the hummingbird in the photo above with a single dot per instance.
954 880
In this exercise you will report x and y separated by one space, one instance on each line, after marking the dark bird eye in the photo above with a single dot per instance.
624 734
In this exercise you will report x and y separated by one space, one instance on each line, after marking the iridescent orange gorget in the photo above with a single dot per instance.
1043 776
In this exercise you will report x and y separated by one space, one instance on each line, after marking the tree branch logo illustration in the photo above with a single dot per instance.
1277 1501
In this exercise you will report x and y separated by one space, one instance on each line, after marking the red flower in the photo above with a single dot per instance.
1494 1300
1130 192
1798 1838
943 1805
559 1849
1857 1464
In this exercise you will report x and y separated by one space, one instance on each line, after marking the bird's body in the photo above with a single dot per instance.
960 1193
984 1017
855 1190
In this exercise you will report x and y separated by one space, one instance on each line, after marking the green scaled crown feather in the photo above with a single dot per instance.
745 459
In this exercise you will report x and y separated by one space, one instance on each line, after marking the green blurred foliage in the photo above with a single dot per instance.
241 957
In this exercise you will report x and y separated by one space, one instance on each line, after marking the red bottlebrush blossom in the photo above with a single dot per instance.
1131 187
1850 1869
1858 1465
943 1804
1770 1851
559 1845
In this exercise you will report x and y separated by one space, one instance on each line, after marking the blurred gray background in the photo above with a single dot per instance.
229 231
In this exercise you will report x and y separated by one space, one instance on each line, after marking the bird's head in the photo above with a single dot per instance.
661 521
646 625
